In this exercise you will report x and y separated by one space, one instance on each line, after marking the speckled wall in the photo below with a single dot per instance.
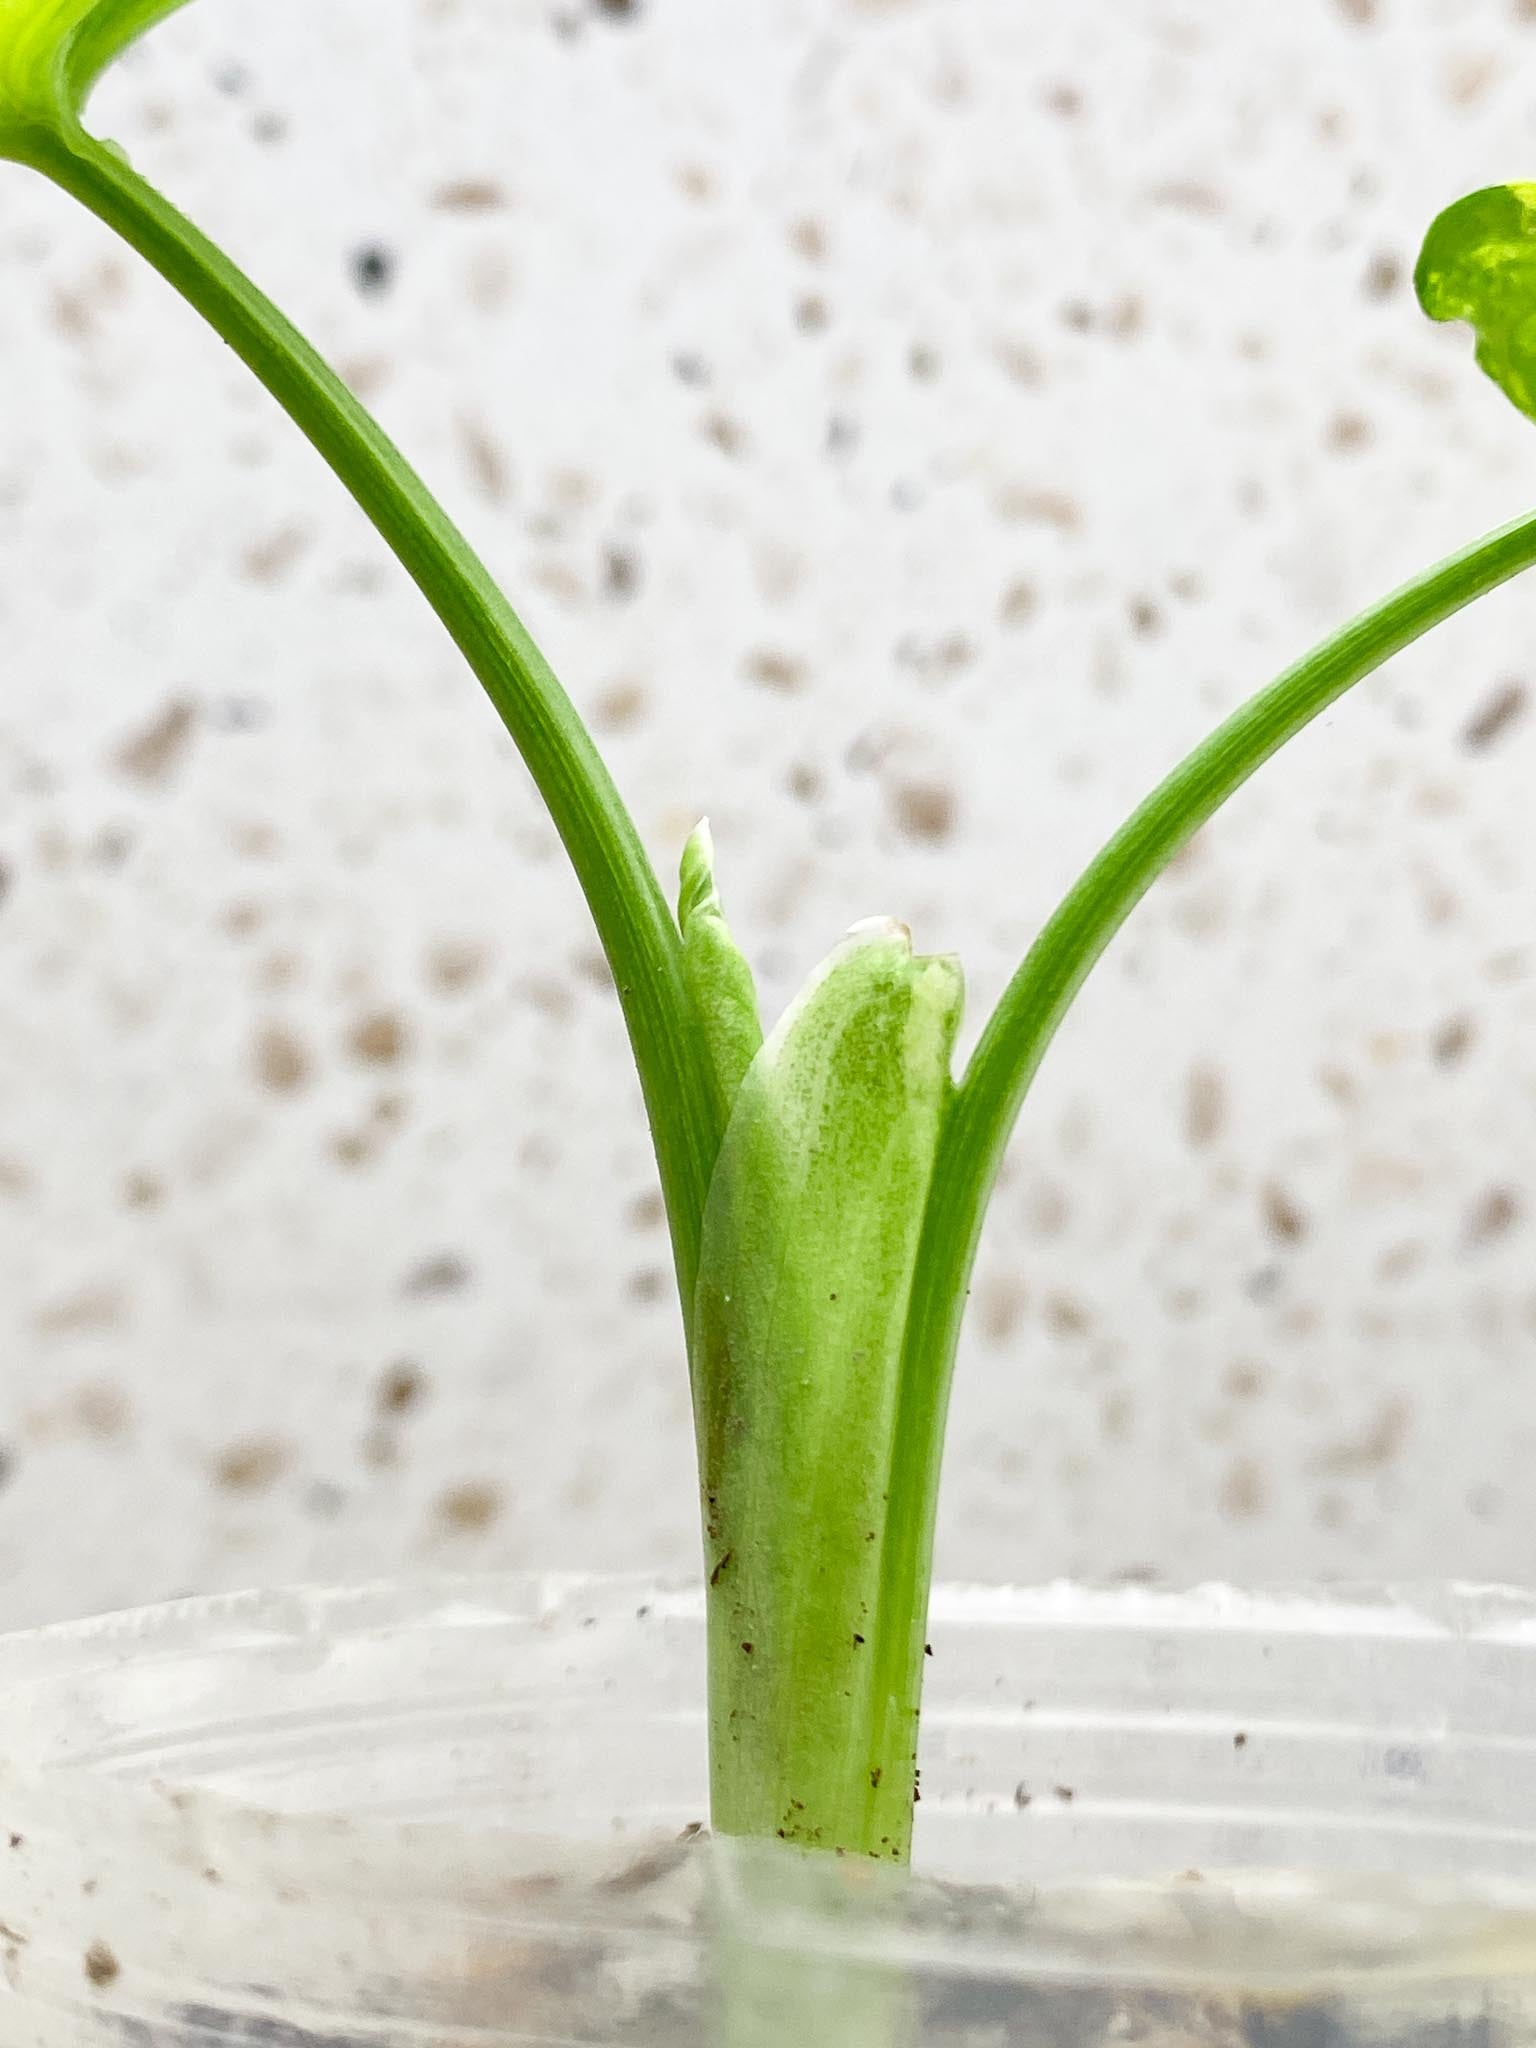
907 427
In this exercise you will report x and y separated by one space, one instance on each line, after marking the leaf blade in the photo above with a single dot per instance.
1478 264
53 51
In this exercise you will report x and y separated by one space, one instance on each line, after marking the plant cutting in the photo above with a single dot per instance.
826 1180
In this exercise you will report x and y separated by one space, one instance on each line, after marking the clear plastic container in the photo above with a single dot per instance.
469 1812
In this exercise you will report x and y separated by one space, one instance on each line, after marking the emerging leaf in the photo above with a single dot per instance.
1478 264
810 1239
720 984
53 51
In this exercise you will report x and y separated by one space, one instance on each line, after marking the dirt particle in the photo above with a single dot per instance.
152 755
1205 1107
279 1060
1145 616
1018 361
1117 1417
720 1569
621 572
91 1311
1003 1302
1019 602
1020 505
1492 1215
1065 1793
1243 1494
378 1040
924 811
620 707
373 270
648 1284
1022 1796
443 1273
773 670
550 998
1383 275
1189 195
489 469
647 1211
269 561
1047 1212
1469 78
5 881
1284 1218
1495 716
101 1965
1348 433
142 1191
469 195
1376 1446
103 1411
808 239
252 1465
402 1388
1452 1041
591 963
1066 1316
727 434
471 1507
454 965
1240 1739
379 1449
697 182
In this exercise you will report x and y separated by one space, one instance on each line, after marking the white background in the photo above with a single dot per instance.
907 427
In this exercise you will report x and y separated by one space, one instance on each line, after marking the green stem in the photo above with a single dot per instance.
633 919
997 1079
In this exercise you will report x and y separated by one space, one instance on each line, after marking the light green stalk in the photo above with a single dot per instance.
810 1239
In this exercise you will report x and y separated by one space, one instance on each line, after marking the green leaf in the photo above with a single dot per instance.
720 984
53 51
1478 264
810 1235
